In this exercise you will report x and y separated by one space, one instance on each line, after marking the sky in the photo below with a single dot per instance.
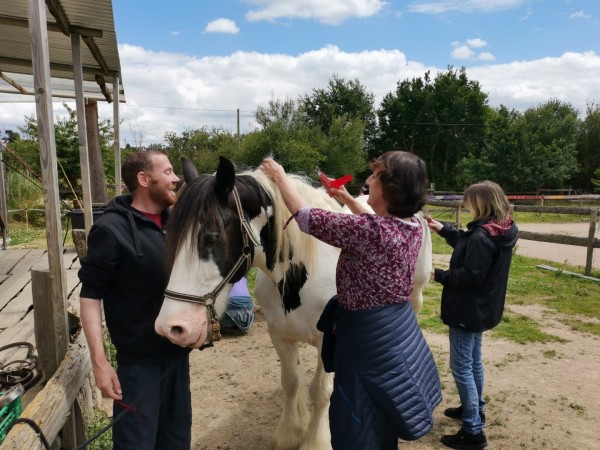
188 64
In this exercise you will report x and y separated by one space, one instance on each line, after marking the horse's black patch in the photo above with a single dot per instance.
290 293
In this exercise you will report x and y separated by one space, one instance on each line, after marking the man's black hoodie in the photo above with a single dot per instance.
125 267
475 284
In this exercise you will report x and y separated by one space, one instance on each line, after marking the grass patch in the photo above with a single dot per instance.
522 329
23 235
528 285
582 326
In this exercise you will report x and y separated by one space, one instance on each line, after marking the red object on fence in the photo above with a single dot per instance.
329 183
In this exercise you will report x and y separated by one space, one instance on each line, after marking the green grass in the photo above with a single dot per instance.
528 285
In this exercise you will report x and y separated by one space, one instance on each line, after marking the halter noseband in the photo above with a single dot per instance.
214 331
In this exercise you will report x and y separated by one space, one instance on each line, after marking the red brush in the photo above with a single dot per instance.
330 183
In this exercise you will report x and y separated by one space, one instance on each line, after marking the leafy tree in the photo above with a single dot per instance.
501 158
67 147
202 146
441 120
588 148
348 101
550 145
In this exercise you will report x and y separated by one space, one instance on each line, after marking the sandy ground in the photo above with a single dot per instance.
540 396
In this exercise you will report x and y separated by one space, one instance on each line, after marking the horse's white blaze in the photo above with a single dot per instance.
184 323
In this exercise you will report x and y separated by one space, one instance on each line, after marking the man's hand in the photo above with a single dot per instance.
107 381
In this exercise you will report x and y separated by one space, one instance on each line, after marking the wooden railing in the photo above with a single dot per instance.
590 242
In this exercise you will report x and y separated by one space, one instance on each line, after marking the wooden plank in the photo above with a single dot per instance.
558 239
32 258
3 277
16 309
9 259
23 332
50 408
566 272
12 286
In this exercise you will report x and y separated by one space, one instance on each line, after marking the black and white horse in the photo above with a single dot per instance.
226 223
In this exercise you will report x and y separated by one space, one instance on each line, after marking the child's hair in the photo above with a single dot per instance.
486 200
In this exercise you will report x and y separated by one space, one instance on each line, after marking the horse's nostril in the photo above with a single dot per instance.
177 330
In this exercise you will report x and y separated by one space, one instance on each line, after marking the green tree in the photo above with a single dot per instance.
441 120
347 101
550 145
202 146
67 147
588 149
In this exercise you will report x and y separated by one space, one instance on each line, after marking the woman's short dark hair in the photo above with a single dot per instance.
403 178
136 162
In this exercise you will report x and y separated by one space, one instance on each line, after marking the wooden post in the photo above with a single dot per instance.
88 218
3 201
40 57
590 246
116 125
98 180
458 208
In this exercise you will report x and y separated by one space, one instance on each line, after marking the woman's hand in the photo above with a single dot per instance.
272 169
434 225
341 195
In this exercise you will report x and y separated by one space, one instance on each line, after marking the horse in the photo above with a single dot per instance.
226 223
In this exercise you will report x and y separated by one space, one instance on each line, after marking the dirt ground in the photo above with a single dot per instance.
540 396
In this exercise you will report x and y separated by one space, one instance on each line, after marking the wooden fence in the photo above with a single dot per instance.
590 242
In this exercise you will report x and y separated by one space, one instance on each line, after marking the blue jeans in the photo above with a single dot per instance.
467 368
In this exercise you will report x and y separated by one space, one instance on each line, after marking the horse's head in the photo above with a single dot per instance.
211 239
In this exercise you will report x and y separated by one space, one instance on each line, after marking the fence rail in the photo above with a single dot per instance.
590 242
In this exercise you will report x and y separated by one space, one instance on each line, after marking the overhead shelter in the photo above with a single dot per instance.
41 55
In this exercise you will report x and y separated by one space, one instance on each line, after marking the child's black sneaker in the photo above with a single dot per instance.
464 440
456 413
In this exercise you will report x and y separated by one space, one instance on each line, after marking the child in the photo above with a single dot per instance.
473 299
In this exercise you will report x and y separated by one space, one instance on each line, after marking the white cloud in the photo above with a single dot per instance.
580 15
462 52
222 26
476 43
465 6
172 92
331 12
466 51
175 33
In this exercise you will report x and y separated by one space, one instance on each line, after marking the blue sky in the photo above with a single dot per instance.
193 63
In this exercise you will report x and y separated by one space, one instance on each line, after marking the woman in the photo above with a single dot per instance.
386 384
473 299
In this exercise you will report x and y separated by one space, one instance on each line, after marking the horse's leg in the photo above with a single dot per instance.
319 436
294 420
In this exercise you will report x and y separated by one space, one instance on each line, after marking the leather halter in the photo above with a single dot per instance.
214 330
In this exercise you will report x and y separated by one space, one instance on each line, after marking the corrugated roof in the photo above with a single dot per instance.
92 19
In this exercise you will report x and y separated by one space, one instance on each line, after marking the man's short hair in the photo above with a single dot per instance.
136 162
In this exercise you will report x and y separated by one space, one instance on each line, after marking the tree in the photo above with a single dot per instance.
588 149
348 101
203 146
67 147
441 120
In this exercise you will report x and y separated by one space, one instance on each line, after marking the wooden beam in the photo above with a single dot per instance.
54 66
58 12
13 83
103 88
96 53
117 135
48 159
52 26
82 132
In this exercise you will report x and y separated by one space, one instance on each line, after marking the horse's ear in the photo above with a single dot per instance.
190 173
225 179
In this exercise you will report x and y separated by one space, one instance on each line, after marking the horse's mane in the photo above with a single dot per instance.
291 244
